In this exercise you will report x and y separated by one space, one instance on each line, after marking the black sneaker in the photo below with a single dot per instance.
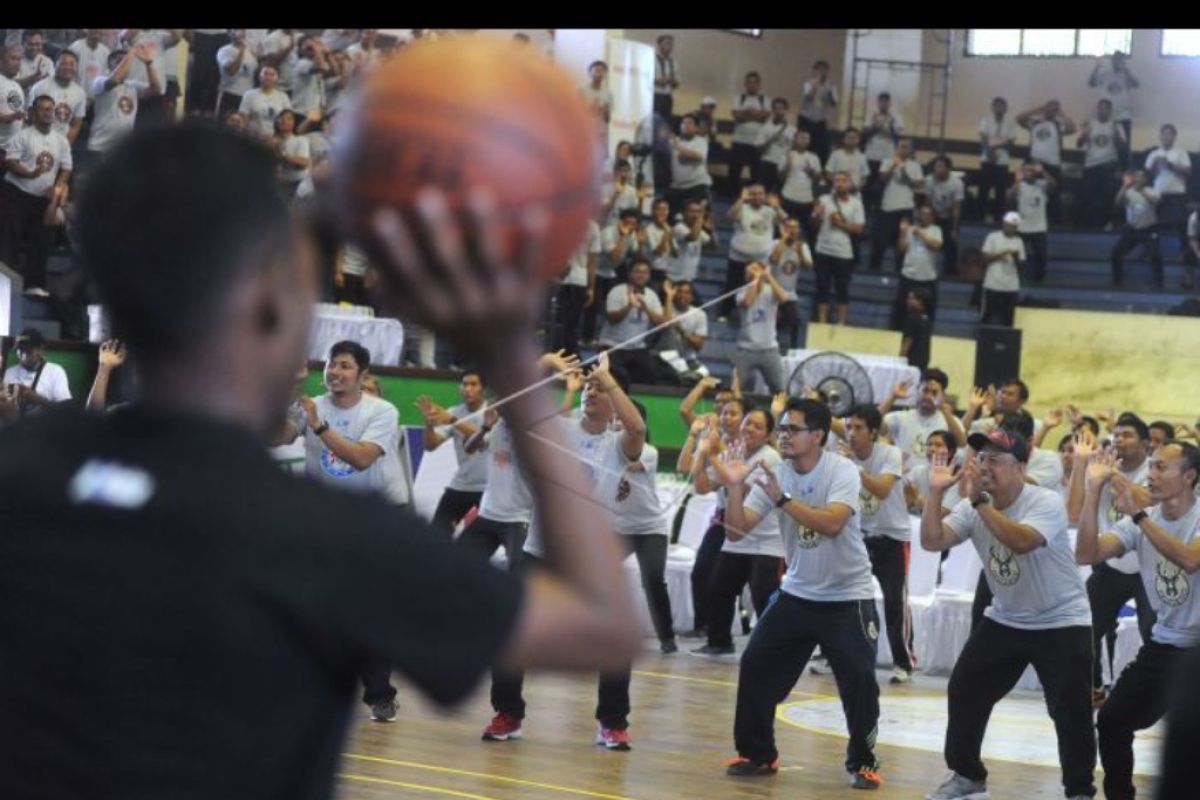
385 710
745 768
710 650
695 633
668 646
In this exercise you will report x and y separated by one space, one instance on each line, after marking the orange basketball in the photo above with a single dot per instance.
466 112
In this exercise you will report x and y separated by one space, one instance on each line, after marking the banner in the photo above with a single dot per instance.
631 81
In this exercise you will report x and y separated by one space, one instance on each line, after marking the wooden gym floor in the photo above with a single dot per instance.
681 727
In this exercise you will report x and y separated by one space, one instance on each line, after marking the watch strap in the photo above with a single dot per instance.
1138 517
783 500
324 426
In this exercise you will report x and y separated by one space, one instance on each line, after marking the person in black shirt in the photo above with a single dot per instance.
917 330
181 618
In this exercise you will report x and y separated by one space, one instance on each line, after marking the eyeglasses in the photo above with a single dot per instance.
790 429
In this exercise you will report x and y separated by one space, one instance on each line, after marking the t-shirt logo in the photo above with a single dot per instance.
1043 133
334 466
125 105
918 445
14 100
1115 88
1002 563
501 459
1171 583
45 159
789 267
1100 140
807 537
1114 514
62 112
623 490
868 502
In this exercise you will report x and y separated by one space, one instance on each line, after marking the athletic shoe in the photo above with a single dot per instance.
502 728
819 665
866 778
668 646
956 787
385 710
745 768
710 650
900 676
1099 697
613 739
695 633
37 291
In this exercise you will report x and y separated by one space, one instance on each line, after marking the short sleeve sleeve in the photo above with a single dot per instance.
65 161
1129 534
593 246
960 191
892 463
1021 248
382 427
844 486
758 502
616 299
961 521
934 233
1046 514
857 215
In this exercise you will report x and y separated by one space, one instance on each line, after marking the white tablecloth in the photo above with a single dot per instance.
885 373
383 337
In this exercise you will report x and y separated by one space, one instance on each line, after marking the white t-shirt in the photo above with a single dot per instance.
1045 141
747 132
882 144
276 42
261 109
888 516
506 497
854 163
1037 590
1101 143
115 113
899 185
833 241
92 63
815 102
598 100
1005 129
241 81
694 322
1174 594
637 321
920 261
1002 274
1117 89
690 174
12 99
765 538
609 237
776 140
821 568
918 476
753 231
472 467
1139 208
156 43
308 87
627 197
787 268
1032 197
371 420
634 501
577 266
944 194
655 236
798 186
295 147
1108 515
1166 181
687 264
70 102
38 65
1045 468
32 147
757 328
52 385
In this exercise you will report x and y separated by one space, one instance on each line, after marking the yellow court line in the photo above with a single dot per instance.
716 682
418 786
501 778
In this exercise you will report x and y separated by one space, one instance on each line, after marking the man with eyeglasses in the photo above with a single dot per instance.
1039 613
826 598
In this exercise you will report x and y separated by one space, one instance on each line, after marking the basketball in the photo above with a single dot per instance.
472 112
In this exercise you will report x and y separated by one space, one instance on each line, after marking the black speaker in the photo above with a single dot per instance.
997 355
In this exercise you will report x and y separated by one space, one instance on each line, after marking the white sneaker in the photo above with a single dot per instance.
956 787
819 665
37 291
900 676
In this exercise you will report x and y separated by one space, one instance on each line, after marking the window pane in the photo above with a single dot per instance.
989 42
1181 42
1053 42
1103 42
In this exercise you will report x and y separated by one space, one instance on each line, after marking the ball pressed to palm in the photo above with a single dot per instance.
473 111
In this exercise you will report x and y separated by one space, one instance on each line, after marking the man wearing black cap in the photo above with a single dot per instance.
34 382
1039 614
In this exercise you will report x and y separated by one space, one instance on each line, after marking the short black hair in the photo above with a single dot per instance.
944 160
170 222
999 100
1191 456
767 415
868 413
621 162
42 97
816 414
883 96
1174 130
947 439
66 53
821 63
1064 441
628 212
780 101
935 374
1019 422
360 354
851 129
1020 384
660 39
597 62
476 372
32 32
1164 426
752 74
1131 420
1092 424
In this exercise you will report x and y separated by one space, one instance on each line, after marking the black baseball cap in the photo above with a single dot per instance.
1002 440
29 339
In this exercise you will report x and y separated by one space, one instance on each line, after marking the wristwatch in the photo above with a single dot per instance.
1137 518
324 426
783 500
984 497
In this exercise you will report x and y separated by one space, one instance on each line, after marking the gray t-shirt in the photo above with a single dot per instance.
633 500
920 258
918 476
1002 275
1139 208
472 467
371 420
1036 590
690 173
764 539
605 266
506 497
693 321
821 568
787 269
899 185
603 461
889 516
1174 594
854 163
753 230
910 429
798 186
1109 515
636 322
944 194
1045 468
115 112
757 329
1031 205
833 241
687 263
1045 141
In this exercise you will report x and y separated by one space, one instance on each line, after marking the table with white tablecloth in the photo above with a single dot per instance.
382 336
885 372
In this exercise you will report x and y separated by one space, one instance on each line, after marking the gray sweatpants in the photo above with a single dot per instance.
768 362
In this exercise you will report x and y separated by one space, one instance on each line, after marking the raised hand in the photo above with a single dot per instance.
309 407
941 473
977 398
1101 466
491 416
1085 444
709 383
111 355
574 380
1123 496
778 403
768 482
902 390
971 480
730 467
1053 418
561 361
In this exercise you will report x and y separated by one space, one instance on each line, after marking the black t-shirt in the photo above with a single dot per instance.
180 618
918 328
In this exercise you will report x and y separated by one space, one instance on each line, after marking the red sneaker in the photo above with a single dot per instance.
502 728
613 739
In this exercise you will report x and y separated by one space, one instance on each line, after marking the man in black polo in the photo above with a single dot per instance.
183 619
